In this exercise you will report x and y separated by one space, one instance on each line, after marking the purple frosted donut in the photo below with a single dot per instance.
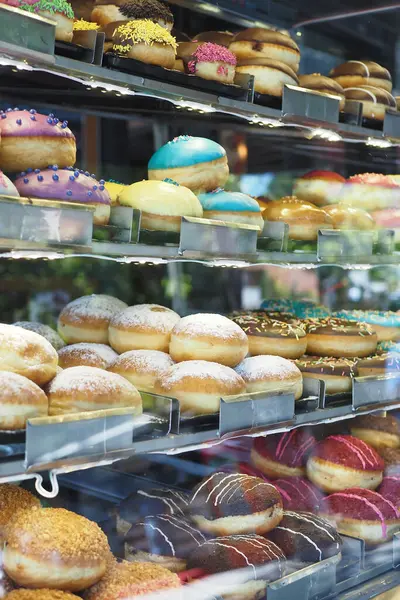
30 138
68 185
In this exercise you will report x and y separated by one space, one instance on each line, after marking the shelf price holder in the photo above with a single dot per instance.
123 226
375 391
391 124
336 244
26 35
302 102
274 236
254 412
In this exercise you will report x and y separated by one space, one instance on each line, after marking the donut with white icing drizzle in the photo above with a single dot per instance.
356 73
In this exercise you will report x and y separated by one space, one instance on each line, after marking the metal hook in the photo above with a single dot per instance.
55 488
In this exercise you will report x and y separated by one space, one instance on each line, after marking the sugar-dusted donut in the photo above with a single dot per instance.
340 461
233 207
271 374
86 355
41 594
44 330
33 140
20 400
319 187
142 367
337 373
377 431
385 324
197 163
234 504
340 338
283 454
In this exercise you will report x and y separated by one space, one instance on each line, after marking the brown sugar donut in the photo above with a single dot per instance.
339 338
81 389
270 76
14 499
234 504
20 400
257 42
86 319
86 355
271 374
377 431
336 372
142 327
199 385
341 461
209 337
28 354
128 580
283 454
356 73
142 367
55 548
304 219
42 594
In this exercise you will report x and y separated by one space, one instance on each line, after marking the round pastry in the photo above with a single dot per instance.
163 204
81 389
283 454
336 372
213 62
114 189
208 337
319 83
347 217
304 219
391 347
142 327
43 330
27 353
142 367
319 187
128 580
199 385
233 504
87 318
197 163
166 540
375 101
7 188
390 489
269 336
391 458
42 594
231 206
257 42
55 548
356 73
272 374
13 500
262 558
20 400
377 431
388 218
298 494
339 338
145 41
86 355
270 76
340 461
371 191
222 38
379 364
363 514
68 185
109 11
29 138
148 502
59 11
305 537
385 324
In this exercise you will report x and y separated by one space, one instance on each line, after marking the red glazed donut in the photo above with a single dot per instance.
283 455
390 489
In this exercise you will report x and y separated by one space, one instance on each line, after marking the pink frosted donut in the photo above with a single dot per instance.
211 61
68 185
31 139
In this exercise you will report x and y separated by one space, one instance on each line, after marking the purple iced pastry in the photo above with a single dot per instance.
68 185
30 138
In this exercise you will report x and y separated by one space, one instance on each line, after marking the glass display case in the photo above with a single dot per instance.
200 331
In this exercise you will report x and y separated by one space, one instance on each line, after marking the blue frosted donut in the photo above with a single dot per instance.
389 347
220 200
303 309
197 163
373 317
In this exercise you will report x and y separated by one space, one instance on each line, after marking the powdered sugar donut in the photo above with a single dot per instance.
43 330
20 400
362 513
283 454
142 327
7 188
86 319
199 385
340 461
86 355
81 389
271 374
142 367
208 337
234 504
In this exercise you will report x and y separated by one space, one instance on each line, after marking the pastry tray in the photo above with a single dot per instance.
136 67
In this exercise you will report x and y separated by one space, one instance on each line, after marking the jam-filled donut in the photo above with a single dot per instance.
163 539
363 514
336 372
319 187
298 494
234 504
45 331
377 431
283 454
305 537
339 338
378 364
269 336
341 461
197 163
390 489
30 139
356 73
385 324
271 374
257 42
